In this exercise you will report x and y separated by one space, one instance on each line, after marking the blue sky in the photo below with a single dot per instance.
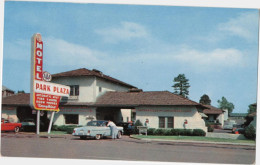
146 46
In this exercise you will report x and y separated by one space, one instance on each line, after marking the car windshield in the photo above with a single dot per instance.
96 123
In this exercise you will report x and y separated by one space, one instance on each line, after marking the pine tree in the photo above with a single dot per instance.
181 85
205 100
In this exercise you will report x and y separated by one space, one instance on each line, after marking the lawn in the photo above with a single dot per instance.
54 133
193 138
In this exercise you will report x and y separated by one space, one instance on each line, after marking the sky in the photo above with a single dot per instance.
145 46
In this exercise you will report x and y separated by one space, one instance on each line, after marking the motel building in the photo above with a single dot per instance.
96 96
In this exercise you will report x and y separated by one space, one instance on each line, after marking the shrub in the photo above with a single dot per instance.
137 123
176 131
168 132
151 131
187 132
54 128
210 129
250 132
159 132
199 132
66 128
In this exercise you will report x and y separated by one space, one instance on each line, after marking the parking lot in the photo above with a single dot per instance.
67 146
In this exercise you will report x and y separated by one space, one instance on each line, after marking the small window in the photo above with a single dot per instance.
170 122
161 122
74 90
100 89
71 118
166 122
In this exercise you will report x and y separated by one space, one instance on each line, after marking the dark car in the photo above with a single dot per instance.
127 126
30 125
239 131
237 126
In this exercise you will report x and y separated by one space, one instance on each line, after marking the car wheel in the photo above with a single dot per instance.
16 129
98 136
119 135
83 137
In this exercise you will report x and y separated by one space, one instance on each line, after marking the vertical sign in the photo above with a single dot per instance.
44 95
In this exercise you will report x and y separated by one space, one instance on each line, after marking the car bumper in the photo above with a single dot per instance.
80 134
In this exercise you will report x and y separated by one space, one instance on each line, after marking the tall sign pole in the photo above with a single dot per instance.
44 95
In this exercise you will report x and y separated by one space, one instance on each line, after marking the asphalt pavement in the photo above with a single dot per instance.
67 146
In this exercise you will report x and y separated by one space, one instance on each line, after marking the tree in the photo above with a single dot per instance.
224 104
22 91
205 100
181 85
251 108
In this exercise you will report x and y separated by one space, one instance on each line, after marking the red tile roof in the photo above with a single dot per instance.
212 110
142 98
94 72
23 99
17 99
117 99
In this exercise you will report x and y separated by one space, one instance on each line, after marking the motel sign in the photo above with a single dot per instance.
44 95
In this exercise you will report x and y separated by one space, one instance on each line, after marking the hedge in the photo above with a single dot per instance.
176 132
66 128
250 132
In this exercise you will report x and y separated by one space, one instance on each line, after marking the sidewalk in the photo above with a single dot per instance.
193 141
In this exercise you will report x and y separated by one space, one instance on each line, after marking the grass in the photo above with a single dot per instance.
194 138
54 133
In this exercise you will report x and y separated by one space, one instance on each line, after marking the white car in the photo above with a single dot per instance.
229 124
97 129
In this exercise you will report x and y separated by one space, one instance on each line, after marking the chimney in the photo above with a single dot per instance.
135 90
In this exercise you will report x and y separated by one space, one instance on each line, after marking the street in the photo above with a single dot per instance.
67 146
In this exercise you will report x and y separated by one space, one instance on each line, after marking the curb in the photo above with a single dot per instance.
190 141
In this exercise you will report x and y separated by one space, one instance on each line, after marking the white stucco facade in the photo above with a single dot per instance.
9 113
180 114
84 114
90 87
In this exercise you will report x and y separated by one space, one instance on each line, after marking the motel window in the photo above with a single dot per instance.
166 122
71 118
74 90
161 122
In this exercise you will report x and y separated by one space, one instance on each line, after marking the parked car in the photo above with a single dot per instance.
229 125
127 126
236 126
97 129
239 131
6 125
30 125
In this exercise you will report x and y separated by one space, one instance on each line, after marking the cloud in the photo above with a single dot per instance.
217 57
244 26
60 53
17 50
63 53
125 32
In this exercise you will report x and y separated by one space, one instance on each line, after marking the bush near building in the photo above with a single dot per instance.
176 132
250 132
137 123
65 128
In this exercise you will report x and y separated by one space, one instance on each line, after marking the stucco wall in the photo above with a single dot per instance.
221 118
179 113
126 114
86 87
9 113
84 114
107 86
